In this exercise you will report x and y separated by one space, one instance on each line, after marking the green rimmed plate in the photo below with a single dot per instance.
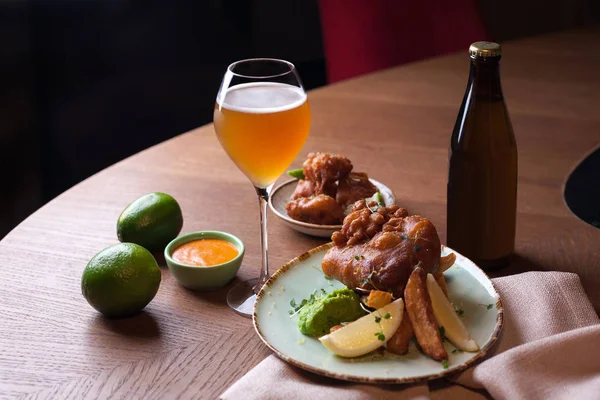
469 289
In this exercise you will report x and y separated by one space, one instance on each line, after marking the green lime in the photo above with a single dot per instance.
121 280
151 221
377 197
296 173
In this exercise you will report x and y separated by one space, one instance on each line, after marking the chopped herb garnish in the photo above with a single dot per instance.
387 316
417 247
328 277
375 209
459 311
489 306
310 300
443 333
368 279
404 236
457 350
380 336
356 257
445 364
377 319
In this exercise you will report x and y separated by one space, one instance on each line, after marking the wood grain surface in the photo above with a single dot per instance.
395 125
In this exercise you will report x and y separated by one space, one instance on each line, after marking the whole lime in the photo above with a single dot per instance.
151 221
121 280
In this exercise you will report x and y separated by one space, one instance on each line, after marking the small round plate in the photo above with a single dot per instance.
282 194
468 286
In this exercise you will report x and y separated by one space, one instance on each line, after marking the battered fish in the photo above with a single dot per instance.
379 249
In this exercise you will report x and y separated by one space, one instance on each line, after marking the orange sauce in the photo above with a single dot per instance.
205 252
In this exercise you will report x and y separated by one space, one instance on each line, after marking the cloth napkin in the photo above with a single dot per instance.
549 349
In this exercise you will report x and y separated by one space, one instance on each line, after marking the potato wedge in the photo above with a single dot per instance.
420 312
378 299
446 262
439 278
398 343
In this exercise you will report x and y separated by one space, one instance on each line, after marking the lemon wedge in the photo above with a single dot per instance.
366 333
454 330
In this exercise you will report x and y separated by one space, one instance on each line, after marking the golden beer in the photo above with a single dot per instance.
262 126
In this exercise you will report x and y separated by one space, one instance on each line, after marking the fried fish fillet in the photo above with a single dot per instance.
331 175
325 168
379 249
321 209
306 188
354 187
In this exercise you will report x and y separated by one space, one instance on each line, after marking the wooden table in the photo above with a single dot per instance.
394 124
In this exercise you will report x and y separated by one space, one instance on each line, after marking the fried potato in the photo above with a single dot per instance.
439 278
378 299
446 262
398 343
420 312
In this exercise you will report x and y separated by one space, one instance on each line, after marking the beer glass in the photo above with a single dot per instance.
262 119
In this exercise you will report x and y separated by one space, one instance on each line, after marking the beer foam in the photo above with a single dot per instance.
261 98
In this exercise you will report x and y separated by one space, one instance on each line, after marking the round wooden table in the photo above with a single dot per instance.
394 124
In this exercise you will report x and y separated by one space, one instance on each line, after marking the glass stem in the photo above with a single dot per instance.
263 199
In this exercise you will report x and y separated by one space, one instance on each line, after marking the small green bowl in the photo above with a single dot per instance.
204 278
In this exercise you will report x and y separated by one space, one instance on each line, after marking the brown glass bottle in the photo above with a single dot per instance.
482 178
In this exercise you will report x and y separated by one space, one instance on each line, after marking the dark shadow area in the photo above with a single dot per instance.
518 265
513 19
118 77
142 325
213 299
84 84
214 296
582 190
160 260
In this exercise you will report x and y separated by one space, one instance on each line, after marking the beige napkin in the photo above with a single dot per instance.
549 349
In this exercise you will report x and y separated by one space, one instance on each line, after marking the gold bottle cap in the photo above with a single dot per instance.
485 50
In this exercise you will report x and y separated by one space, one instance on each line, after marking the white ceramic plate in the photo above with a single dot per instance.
468 287
282 194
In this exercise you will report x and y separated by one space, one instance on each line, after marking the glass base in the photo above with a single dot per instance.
241 297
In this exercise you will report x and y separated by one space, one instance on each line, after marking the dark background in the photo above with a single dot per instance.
86 83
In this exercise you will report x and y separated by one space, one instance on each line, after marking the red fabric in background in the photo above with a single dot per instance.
362 36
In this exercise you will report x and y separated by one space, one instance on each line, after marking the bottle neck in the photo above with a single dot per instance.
484 80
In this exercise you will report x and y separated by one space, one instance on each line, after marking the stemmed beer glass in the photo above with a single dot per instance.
262 119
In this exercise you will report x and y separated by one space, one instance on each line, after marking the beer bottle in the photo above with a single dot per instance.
482 178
